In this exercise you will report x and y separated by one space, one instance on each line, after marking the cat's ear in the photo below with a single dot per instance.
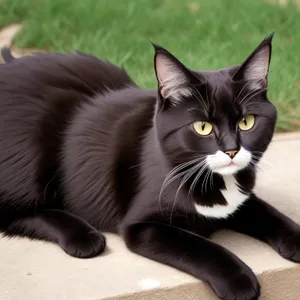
255 68
174 79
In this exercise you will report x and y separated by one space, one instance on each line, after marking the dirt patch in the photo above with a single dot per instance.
6 37
7 34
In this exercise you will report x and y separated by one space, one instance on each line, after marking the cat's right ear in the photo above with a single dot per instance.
174 79
255 68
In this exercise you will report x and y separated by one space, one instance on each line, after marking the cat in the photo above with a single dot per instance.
84 150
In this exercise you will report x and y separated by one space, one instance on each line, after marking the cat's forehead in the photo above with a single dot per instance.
217 78
219 90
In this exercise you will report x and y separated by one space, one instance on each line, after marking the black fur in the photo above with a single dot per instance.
84 150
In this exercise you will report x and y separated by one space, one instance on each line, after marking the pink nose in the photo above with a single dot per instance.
232 153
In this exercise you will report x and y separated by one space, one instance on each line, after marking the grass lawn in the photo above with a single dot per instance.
203 34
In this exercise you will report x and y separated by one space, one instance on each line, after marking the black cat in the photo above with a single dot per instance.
84 150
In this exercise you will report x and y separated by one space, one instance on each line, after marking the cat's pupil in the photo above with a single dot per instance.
245 121
202 126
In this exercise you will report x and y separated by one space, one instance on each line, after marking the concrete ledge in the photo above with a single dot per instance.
191 291
286 136
38 270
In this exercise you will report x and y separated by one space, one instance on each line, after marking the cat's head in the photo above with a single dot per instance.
221 119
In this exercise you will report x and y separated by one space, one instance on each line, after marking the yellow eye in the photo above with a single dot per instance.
203 128
247 123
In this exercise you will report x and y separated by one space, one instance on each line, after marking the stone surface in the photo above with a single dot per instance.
39 270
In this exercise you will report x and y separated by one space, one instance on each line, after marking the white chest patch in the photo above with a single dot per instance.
233 197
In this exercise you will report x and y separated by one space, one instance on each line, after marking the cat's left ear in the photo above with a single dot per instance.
255 68
175 81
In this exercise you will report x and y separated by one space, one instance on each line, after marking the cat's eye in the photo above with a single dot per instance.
203 128
247 123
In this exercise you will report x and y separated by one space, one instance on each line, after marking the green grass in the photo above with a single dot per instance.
203 34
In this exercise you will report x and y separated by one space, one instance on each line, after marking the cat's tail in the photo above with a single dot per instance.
6 55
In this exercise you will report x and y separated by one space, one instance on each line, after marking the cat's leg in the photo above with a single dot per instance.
262 221
228 276
74 235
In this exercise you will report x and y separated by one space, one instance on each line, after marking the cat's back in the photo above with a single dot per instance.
32 85
81 72
38 96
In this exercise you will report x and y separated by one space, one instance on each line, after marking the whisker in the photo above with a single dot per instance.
206 93
180 167
239 94
263 161
211 184
187 176
255 151
253 167
175 174
246 100
196 93
207 180
203 182
251 103
176 170
193 185
191 173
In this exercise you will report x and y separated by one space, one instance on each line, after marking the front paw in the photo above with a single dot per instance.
240 284
86 245
290 247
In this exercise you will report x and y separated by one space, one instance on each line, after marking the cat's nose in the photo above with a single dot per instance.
231 153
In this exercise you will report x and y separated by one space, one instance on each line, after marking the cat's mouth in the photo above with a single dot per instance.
222 164
228 169
231 164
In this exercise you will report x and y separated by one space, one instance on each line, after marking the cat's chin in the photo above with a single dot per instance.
228 170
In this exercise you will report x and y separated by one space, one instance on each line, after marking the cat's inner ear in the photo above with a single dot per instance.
256 67
174 79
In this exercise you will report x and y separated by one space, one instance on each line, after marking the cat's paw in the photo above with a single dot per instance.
85 245
241 286
290 247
